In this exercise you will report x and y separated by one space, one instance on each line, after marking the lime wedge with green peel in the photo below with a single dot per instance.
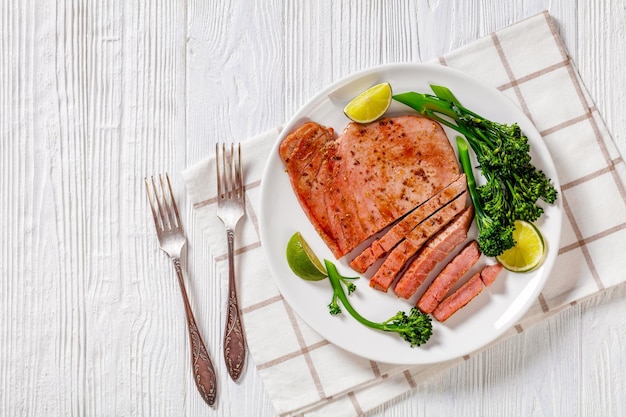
370 105
302 261
528 251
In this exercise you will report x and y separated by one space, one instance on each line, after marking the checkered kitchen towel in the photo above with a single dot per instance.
304 374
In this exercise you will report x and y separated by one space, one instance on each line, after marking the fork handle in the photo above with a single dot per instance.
234 342
202 366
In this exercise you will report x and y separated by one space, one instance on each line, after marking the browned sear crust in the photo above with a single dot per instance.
354 185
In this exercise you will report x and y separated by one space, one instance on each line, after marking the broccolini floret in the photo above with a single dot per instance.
415 328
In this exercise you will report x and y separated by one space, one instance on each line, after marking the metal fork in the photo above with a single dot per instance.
230 209
172 239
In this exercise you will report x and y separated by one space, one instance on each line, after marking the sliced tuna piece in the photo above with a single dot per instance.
399 256
449 276
489 273
434 251
380 247
355 185
461 297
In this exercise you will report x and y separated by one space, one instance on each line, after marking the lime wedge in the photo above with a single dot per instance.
370 105
528 251
302 261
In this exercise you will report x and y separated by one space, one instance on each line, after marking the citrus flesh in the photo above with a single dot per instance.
370 105
302 261
528 251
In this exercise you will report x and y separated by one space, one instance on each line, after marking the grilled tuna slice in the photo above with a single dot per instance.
449 276
399 256
434 251
459 298
355 185
380 247
467 292
489 273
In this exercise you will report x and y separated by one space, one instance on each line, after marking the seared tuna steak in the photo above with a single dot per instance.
355 185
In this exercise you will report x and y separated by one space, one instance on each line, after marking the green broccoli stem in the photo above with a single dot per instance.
416 328
444 103
338 293
424 103
494 237
468 170
428 105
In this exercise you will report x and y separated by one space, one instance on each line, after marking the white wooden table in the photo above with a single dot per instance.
94 95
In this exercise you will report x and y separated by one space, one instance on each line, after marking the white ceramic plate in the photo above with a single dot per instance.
485 318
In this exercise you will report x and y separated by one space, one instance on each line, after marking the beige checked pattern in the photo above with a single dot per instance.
304 374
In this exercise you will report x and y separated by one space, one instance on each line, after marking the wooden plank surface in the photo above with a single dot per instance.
94 95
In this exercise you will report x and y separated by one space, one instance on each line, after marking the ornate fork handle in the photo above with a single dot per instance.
234 341
203 370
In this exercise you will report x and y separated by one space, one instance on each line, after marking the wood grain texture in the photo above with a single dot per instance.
94 95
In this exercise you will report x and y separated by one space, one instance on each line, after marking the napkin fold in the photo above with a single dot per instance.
304 374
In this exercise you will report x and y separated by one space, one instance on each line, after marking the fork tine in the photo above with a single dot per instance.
162 203
232 187
229 171
159 197
240 184
151 197
168 203
176 214
236 171
218 163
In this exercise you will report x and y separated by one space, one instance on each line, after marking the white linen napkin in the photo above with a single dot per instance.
304 374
